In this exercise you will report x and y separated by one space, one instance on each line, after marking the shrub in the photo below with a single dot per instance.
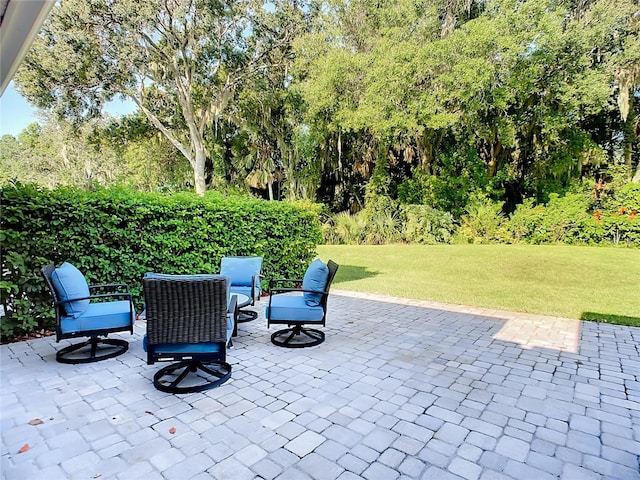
483 223
118 235
568 220
424 224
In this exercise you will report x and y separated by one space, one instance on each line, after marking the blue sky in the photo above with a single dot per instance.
16 113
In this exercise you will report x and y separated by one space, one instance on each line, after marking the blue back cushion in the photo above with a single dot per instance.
240 270
69 284
315 278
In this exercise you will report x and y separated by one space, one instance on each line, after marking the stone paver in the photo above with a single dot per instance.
400 389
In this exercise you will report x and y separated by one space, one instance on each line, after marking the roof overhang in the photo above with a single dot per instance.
20 22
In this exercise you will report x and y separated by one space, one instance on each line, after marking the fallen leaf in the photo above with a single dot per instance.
24 448
172 430
149 412
36 421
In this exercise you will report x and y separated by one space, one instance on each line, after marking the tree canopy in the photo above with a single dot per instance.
180 61
303 99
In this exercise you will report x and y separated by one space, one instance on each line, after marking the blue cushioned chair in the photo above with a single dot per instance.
190 320
245 276
296 307
88 311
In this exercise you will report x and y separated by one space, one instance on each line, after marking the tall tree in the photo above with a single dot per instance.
180 61
517 81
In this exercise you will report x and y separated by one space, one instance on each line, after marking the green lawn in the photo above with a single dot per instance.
589 283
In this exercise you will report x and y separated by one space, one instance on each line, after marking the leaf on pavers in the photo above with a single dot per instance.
172 430
97 475
35 421
24 448
149 412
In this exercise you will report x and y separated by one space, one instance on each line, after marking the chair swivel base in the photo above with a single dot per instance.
93 350
246 316
191 376
297 337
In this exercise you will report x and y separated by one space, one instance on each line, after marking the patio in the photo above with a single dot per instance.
400 389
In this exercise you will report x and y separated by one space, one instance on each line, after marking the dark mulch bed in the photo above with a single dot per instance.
30 336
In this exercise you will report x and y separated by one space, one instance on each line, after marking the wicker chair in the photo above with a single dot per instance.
190 320
303 304
89 311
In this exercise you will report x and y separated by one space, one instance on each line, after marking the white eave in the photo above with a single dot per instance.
20 22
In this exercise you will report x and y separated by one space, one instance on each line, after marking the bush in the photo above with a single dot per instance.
568 220
116 235
483 223
423 224
344 229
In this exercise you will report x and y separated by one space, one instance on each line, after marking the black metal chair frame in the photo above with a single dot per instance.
188 311
95 348
297 336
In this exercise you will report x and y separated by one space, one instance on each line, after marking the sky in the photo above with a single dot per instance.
16 113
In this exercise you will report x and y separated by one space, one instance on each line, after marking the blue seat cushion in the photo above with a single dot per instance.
294 308
183 348
241 270
100 316
70 283
315 278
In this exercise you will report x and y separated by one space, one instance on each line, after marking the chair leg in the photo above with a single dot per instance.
297 337
93 350
197 376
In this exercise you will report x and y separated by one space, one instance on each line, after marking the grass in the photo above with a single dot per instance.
588 283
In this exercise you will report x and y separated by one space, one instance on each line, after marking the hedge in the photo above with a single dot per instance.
117 235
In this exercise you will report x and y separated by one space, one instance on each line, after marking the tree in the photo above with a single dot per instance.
521 83
56 153
180 61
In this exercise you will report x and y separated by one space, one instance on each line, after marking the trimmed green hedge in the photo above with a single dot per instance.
117 235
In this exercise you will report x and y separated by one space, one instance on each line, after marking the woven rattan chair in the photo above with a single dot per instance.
190 320
89 311
304 303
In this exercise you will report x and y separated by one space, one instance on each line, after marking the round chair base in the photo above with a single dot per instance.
93 350
246 316
297 337
191 376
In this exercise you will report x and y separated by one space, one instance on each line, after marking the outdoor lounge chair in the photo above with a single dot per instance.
190 321
88 311
296 307
244 274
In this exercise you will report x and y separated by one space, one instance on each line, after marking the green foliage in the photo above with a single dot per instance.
117 235
560 220
483 222
427 225
344 229
182 63
570 219
523 92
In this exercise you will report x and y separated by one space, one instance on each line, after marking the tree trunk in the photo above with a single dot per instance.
198 169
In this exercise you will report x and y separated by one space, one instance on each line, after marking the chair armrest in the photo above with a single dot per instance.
110 286
233 305
256 287
277 291
121 295
278 281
